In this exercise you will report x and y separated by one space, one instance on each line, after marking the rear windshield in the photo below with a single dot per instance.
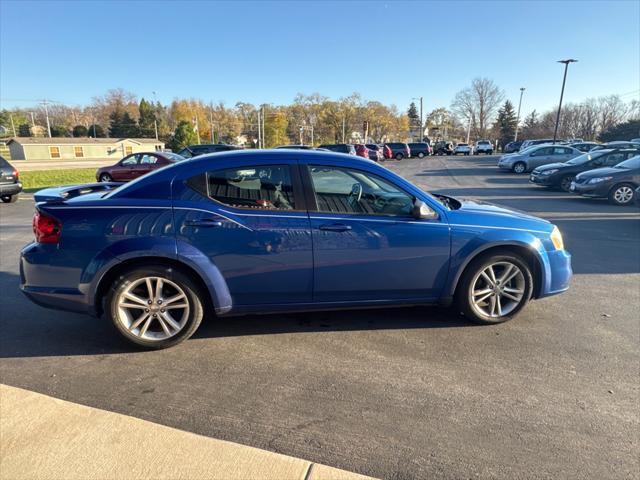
463 145
4 163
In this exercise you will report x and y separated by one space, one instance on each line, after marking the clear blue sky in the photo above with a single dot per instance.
269 51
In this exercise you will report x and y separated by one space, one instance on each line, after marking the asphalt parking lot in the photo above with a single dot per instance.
399 393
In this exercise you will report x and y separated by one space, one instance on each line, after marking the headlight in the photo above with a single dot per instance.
549 172
599 179
556 238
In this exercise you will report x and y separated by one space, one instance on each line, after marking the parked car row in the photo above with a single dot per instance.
609 170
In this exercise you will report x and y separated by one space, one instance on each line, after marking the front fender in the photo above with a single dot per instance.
468 243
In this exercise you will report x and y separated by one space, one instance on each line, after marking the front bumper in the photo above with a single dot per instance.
505 166
597 190
545 180
10 188
559 273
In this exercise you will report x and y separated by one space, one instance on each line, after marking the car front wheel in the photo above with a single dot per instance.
519 167
154 307
494 288
9 198
621 194
565 182
105 177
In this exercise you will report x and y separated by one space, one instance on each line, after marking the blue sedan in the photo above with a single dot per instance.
273 231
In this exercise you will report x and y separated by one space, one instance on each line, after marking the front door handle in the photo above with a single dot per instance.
204 222
335 227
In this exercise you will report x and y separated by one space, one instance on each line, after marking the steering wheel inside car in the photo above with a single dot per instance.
355 196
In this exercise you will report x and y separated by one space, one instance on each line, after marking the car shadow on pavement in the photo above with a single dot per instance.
32 331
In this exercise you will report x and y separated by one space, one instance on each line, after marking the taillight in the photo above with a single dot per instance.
16 173
46 229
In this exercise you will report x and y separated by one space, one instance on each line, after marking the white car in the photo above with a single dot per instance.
483 146
462 148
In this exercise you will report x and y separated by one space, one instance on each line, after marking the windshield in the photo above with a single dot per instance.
633 162
174 157
581 159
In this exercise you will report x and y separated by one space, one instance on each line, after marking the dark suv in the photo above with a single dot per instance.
347 148
399 150
195 150
419 149
10 185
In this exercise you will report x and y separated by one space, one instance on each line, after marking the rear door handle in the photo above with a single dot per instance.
335 227
204 222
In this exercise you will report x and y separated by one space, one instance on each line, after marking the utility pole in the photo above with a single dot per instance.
45 103
468 130
155 114
211 126
259 137
301 135
33 122
518 117
343 130
263 134
564 80
13 125
312 142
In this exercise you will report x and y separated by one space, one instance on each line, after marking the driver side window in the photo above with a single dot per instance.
342 190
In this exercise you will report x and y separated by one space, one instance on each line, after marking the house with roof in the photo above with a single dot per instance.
78 148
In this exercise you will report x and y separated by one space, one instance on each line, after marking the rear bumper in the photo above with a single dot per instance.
10 188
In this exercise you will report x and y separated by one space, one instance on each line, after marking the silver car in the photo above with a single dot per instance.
532 157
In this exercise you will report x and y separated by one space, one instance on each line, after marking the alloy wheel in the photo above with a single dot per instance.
497 290
565 183
153 308
623 194
519 167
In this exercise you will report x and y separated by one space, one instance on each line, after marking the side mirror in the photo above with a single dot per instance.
421 211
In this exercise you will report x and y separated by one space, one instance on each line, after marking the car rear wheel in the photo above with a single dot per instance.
9 198
399 156
565 182
494 288
420 155
519 167
154 307
621 194
105 177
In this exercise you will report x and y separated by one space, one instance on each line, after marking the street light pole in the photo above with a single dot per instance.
564 80
518 117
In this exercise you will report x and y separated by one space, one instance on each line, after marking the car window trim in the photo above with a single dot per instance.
313 204
301 207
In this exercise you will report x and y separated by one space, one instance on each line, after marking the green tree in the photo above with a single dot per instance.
59 131
183 136
122 125
80 131
623 131
147 119
414 120
96 131
506 123
24 130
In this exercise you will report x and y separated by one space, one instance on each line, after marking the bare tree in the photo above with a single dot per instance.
478 104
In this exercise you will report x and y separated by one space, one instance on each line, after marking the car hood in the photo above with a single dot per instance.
600 172
475 212
551 166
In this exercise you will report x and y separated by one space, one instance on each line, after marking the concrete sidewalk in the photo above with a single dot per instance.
45 438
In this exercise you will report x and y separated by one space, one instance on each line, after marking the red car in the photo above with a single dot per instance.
136 165
361 150
386 150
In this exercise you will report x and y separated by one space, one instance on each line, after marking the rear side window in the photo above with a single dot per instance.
264 187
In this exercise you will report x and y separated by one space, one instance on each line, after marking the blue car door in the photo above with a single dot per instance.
251 222
367 245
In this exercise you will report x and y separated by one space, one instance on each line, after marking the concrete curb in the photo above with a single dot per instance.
46 438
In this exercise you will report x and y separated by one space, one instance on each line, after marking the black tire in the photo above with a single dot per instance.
617 197
463 291
10 198
565 183
519 168
421 155
105 177
399 156
193 297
